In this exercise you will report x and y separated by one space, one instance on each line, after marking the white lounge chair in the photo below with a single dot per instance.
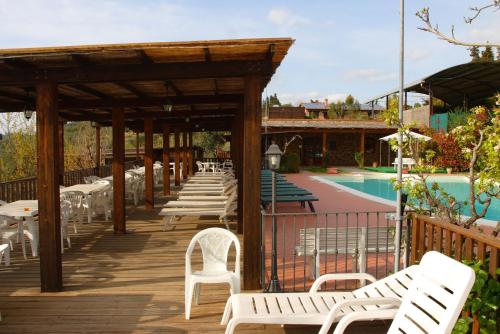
310 308
432 304
436 280
222 212
215 244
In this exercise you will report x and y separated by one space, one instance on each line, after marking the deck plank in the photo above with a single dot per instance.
131 283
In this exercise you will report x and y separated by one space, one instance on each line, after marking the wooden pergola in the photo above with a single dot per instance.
211 85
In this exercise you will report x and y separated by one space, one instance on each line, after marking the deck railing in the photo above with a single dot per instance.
311 244
26 189
456 242
452 240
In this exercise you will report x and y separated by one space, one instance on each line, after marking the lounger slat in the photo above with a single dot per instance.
308 305
272 304
260 305
320 304
296 304
284 304
430 305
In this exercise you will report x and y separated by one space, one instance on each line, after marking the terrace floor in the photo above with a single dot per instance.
121 284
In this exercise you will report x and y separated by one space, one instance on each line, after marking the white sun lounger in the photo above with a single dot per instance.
311 308
222 212
427 298
432 304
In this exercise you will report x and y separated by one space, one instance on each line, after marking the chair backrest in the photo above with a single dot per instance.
76 198
65 211
436 296
215 243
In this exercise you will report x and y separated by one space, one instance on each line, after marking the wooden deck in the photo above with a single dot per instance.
131 283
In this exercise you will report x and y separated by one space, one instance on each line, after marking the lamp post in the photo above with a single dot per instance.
399 176
273 155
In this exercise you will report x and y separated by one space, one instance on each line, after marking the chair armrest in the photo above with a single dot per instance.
340 277
376 314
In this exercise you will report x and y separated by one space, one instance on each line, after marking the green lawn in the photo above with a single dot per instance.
393 170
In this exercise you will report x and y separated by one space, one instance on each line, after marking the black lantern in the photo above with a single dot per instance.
273 155
167 105
28 111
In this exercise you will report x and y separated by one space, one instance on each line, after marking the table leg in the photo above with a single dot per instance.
89 210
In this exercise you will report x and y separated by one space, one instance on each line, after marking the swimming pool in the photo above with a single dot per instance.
380 188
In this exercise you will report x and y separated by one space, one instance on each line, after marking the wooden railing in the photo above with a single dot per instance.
26 189
452 240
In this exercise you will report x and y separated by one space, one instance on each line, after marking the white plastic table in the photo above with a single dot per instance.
26 210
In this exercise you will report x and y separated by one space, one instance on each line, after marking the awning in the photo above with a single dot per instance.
411 134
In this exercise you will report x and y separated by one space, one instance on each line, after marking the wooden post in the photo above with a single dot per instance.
137 146
324 149
238 161
251 182
166 161
184 155
118 125
362 141
148 162
177 163
190 154
49 218
61 152
98 150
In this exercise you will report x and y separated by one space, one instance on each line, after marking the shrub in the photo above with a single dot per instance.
483 302
360 159
449 154
290 163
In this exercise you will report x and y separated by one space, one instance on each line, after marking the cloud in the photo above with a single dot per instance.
297 98
368 74
417 54
282 17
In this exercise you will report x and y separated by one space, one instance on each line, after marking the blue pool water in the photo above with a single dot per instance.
382 188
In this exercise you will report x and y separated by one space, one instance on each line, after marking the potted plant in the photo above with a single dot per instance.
449 170
375 164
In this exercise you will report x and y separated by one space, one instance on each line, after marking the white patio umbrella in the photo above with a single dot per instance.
414 135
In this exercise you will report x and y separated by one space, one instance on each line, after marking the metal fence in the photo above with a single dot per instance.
312 244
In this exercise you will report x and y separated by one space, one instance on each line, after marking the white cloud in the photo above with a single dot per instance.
417 54
368 74
297 98
282 17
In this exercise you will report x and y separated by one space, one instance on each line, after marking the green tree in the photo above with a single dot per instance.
474 53
487 54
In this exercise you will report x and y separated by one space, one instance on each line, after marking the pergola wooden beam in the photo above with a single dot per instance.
118 171
148 163
177 161
110 102
251 181
137 72
49 217
166 160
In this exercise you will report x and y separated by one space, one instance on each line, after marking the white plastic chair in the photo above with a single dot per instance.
215 243
78 206
432 305
65 217
5 253
12 230
103 199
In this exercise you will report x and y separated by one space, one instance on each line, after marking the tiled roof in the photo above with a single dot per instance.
315 106
368 107
324 124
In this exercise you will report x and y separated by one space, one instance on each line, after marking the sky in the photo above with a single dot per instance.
341 47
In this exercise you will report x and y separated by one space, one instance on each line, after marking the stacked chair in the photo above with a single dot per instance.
286 192
205 194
